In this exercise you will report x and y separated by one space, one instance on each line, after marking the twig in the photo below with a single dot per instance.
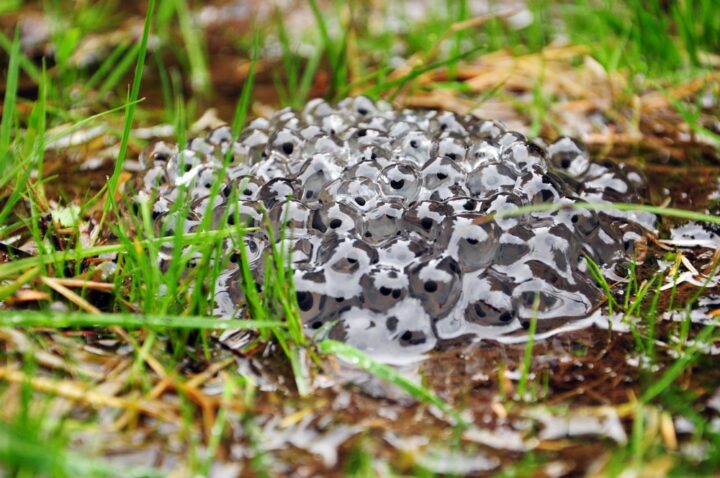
72 391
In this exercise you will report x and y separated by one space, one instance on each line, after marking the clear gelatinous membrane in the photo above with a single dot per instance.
388 218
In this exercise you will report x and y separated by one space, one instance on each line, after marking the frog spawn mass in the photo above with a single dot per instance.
388 220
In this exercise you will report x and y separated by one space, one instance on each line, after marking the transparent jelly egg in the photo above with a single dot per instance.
383 221
279 190
524 156
316 172
438 285
568 156
338 217
291 218
400 180
285 142
428 219
473 241
383 287
491 179
414 146
361 193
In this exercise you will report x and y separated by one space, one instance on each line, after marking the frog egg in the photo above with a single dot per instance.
279 190
556 252
442 178
490 179
180 168
598 240
403 249
363 137
201 146
317 108
298 250
453 148
309 133
159 154
242 213
633 176
512 245
251 145
489 299
161 205
610 185
235 171
473 241
363 107
369 168
509 137
334 125
203 183
274 167
538 188
346 256
285 119
327 145
481 153
380 155
551 301
398 129
291 216
383 221
247 187
438 285
395 229
503 202
632 236
414 146
337 217
490 129
568 156
524 156
229 297
464 204
155 178
361 193
220 136
316 172
286 143
175 222
447 123
604 242
428 219
383 287
316 306
398 336
214 205
378 123
400 180
259 123
254 247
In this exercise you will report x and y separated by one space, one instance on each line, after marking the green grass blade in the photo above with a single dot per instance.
243 104
119 69
195 46
28 66
660 211
527 356
10 268
679 366
8 116
130 321
129 114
